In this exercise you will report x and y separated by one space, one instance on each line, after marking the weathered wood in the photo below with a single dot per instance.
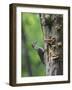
52 27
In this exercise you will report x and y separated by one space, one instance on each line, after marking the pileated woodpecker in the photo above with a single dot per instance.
40 51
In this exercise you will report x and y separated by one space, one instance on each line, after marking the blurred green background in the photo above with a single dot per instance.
31 31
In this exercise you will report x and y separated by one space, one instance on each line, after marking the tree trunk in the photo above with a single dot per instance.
52 27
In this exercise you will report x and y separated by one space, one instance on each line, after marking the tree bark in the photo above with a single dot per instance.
52 27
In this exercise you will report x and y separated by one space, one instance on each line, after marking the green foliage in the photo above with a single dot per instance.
32 32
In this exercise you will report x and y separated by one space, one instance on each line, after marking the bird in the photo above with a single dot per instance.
40 51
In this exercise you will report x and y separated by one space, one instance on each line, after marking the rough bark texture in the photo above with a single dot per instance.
52 26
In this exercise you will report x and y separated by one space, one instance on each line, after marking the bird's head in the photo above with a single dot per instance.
34 44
